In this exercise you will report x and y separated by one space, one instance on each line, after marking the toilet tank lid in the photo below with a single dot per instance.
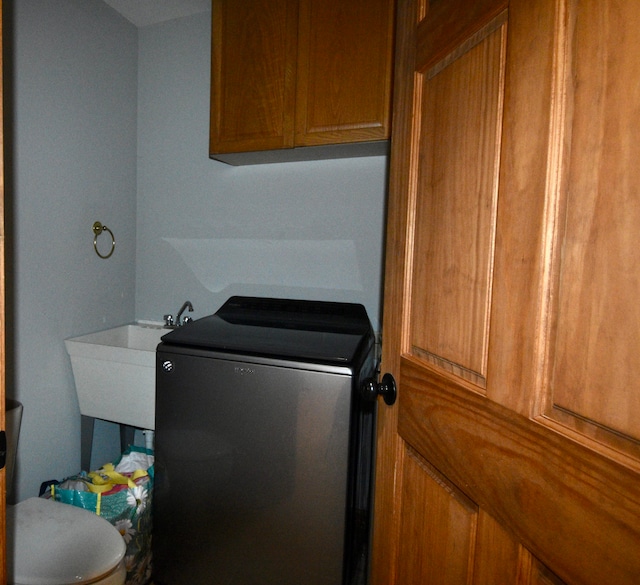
49 543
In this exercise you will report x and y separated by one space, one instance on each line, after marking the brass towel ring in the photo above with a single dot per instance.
98 228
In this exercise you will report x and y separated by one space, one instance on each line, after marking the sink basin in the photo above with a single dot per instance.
115 373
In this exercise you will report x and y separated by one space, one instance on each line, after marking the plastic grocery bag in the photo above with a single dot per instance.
121 493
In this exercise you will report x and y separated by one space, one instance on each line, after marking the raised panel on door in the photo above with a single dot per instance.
539 574
344 71
498 557
461 112
446 522
594 365
253 70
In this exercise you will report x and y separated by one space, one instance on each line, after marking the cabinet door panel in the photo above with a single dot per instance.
253 71
344 71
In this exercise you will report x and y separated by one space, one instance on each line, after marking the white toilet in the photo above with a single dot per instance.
50 543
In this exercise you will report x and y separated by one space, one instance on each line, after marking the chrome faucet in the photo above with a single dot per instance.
168 319
186 305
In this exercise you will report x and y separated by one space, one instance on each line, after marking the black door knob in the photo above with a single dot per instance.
386 388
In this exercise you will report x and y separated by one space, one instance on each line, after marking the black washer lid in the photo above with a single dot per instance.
317 331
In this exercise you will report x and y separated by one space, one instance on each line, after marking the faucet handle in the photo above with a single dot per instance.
186 320
168 321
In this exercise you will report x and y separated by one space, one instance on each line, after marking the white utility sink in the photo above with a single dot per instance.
115 373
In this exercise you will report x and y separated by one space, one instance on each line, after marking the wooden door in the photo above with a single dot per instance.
512 321
253 75
344 71
3 483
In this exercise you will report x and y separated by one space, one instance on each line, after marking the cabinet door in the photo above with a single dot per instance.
253 70
344 71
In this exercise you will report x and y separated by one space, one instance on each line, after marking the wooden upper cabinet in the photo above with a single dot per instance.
300 73
253 67
344 71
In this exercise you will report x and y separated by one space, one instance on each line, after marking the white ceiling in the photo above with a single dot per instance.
146 12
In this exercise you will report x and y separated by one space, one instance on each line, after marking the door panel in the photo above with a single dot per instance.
538 574
497 554
597 340
461 113
512 278
428 500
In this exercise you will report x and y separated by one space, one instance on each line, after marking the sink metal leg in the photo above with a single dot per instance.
127 436
86 441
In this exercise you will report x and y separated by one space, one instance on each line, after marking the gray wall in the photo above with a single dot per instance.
74 162
186 227
207 230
